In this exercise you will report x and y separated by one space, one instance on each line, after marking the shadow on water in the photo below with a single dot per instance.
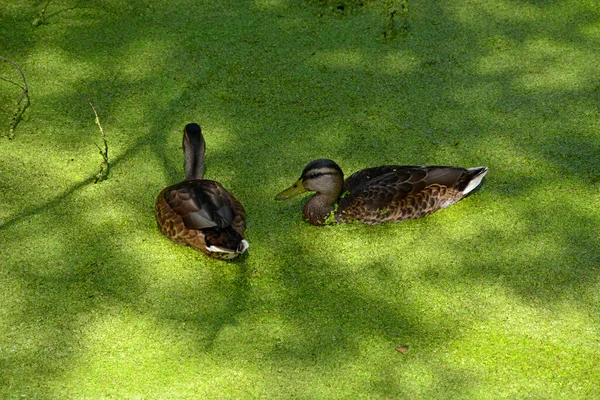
308 86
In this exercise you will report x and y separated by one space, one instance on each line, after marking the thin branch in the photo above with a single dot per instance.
389 30
26 88
40 18
103 173
18 114
404 7
400 11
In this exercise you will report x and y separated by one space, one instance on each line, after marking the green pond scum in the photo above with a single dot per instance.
495 297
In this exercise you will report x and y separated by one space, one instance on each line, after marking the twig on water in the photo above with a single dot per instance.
103 173
390 31
404 13
41 17
18 114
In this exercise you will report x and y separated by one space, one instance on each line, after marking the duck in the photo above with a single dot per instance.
389 193
199 212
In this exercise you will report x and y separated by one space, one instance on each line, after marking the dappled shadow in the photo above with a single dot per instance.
275 85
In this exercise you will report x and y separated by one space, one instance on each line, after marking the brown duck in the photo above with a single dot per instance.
199 212
390 193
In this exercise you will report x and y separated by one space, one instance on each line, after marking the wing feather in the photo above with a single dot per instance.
376 188
201 204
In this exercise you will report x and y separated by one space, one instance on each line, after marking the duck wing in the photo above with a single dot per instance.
379 187
201 204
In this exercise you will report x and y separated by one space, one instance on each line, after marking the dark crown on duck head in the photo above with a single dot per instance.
320 167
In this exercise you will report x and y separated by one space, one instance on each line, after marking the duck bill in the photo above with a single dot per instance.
295 189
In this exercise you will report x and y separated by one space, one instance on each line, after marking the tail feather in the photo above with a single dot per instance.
477 175
242 247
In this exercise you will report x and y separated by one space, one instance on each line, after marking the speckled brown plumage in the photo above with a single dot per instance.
389 193
198 212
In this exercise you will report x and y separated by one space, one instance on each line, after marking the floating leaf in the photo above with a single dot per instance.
402 349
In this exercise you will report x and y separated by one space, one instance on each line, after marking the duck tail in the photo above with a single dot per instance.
475 175
194 148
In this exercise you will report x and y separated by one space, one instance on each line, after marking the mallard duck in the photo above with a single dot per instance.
199 212
390 193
